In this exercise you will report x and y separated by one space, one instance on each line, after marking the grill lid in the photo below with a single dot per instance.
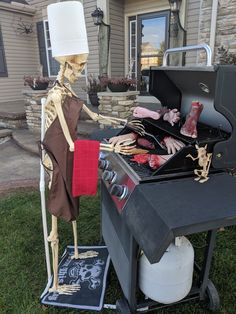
214 87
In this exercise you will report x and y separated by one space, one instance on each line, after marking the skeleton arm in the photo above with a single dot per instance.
190 156
56 99
97 117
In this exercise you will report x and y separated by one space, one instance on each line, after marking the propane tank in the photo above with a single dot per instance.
169 280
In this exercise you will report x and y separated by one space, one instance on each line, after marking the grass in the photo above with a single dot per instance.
22 265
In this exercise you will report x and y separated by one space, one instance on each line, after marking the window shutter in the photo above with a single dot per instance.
3 65
42 48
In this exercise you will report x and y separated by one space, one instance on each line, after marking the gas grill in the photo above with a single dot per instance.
146 210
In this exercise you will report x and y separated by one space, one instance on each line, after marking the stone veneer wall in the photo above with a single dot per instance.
116 104
225 26
33 107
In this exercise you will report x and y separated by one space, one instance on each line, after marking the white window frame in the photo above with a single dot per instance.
134 21
46 33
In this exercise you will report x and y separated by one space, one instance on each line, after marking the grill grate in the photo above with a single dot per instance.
142 171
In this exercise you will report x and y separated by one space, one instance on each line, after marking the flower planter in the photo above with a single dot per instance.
115 88
40 86
94 100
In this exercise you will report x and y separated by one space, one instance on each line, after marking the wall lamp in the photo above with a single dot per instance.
175 24
175 5
97 16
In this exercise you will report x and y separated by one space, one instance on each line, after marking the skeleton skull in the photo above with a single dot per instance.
74 65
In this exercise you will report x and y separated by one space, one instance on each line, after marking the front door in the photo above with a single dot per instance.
150 40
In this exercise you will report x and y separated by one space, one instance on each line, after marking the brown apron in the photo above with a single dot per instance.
60 202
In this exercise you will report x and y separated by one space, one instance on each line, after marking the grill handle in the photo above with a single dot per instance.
189 48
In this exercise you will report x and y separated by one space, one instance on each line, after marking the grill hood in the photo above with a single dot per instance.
214 87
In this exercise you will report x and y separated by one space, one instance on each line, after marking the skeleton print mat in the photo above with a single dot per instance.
89 273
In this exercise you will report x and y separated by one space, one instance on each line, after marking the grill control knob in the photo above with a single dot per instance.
109 176
120 191
103 164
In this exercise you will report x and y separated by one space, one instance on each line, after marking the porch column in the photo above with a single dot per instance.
117 104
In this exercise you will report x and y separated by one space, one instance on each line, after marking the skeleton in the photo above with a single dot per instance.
204 161
71 67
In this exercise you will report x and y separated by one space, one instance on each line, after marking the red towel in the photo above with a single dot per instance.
85 168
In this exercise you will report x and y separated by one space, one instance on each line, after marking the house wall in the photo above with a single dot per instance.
225 25
133 7
117 41
20 53
192 28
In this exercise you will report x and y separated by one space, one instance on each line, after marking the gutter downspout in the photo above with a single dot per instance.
213 25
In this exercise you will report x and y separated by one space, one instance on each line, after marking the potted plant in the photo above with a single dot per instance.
225 57
94 86
37 82
118 84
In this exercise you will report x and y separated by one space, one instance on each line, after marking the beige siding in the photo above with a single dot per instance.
133 7
192 27
92 32
117 42
20 53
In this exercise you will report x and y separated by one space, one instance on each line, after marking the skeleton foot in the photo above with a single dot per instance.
203 180
88 254
65 289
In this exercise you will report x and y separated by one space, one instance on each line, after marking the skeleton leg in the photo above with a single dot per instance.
76 252
53 238
76 255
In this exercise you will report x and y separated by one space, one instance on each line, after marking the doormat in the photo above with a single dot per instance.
89 273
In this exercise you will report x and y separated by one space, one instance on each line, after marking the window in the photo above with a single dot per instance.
133 48
148 39
3 65
53 65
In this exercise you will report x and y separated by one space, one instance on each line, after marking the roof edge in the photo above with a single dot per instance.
13 7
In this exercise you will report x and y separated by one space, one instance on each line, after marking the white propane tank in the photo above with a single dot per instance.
169 280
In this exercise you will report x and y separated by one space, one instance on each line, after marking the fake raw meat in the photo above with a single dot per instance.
140 112
190 126
143 142
154 161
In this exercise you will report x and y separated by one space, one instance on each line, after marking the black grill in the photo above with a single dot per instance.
137 213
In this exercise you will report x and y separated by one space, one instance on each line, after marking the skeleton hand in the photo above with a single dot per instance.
121 147
172 116
172 144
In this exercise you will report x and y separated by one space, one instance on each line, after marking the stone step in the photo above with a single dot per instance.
12 120
5 135
27 140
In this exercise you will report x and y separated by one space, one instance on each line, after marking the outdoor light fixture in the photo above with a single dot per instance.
175 5
97 16
175 23
104 35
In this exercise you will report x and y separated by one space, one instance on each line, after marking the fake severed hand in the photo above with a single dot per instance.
172 144
172 116
116 139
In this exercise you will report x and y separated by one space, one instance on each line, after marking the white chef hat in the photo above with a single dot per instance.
67 29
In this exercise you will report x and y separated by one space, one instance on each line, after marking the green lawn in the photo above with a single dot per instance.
22 265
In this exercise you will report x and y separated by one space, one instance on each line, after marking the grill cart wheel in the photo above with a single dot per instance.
213 296
122 306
